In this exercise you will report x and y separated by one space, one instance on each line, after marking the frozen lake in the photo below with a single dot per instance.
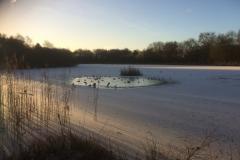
203 98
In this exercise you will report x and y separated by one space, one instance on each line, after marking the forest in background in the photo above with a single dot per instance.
209 49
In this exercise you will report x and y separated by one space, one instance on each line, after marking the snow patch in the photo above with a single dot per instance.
116 82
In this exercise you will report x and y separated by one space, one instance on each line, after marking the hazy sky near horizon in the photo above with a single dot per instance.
107 24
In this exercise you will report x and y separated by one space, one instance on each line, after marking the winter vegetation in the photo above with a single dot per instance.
209 49
18 52
130 71
36 123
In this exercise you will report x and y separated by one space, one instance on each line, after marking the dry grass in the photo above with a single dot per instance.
206 147
30 109
36 122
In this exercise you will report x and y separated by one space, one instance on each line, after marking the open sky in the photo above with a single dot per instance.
107 24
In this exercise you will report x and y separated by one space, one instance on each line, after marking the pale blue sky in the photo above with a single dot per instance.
116 23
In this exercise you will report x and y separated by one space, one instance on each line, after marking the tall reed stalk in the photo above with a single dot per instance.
30 109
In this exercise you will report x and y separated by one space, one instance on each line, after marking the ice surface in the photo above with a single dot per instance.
204 98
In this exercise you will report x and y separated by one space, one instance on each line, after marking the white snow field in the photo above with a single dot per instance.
203 98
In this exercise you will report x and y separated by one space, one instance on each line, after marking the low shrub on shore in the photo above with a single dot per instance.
69 147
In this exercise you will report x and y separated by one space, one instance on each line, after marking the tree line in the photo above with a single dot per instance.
18 52
209 49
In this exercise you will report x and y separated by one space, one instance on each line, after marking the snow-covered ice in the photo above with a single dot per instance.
116 82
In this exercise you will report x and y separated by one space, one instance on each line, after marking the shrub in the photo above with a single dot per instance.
130 71
68 147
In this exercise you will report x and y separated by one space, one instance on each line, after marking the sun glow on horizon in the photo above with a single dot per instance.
120 24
